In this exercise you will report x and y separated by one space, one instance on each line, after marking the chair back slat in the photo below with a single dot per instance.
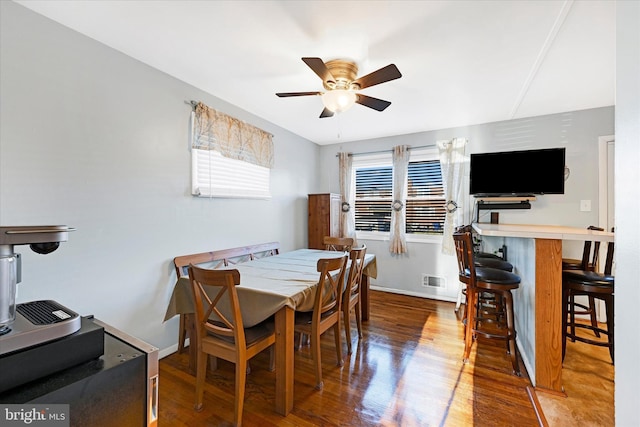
209 312
338 243
608 265
330 284
591 252
464 254
355 273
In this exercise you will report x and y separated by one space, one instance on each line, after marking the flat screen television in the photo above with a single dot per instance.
517 173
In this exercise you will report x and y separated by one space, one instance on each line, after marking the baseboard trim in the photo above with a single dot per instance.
533 397
413 294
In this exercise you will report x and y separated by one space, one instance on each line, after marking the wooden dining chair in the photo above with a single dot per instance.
351 294
223 335
343 244
326 310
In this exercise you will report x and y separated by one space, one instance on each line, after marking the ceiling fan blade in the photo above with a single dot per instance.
326 113
385 74
371 102
318 66
286 94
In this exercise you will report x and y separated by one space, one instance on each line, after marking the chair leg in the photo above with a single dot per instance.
470 309
572 316
346 316
565 313
609 301
359 317
594 319
336 334
182 332
241 378
201 373
511 331
315 353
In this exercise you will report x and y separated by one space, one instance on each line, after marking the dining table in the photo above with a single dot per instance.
275 286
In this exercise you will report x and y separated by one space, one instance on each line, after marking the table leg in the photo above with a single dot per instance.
364 297
284 360
190 325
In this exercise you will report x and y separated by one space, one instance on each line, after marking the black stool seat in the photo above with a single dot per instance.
587 278
496 277
571 264
487 255
493 263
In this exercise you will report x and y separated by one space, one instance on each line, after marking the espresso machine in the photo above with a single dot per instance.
38 338
31 323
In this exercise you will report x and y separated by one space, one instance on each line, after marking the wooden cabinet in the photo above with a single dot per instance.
324 218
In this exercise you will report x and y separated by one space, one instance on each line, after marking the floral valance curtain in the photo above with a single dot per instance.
233 138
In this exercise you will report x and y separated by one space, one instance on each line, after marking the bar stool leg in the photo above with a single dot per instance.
565 313
610 333
470 308
511 332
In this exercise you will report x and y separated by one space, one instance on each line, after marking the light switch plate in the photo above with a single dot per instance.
585 205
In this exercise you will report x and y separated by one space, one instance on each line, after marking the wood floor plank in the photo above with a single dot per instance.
407 370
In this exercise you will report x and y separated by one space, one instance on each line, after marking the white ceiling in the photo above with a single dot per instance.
463 62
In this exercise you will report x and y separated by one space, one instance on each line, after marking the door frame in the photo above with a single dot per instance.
603 211
603 200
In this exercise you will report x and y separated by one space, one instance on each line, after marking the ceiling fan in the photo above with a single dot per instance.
339 79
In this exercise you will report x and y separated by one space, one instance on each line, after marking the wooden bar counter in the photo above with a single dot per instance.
536 254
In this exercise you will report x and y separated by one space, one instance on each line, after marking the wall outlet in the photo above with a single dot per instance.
585 205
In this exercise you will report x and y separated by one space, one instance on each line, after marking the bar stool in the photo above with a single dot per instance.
593 285
479 281
588 262
482 259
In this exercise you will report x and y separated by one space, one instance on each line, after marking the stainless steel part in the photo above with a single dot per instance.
42 239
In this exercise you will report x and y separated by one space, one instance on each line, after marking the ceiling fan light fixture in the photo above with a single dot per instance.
339 100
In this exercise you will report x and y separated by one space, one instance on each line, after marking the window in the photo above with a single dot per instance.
229 158
214 175
425 204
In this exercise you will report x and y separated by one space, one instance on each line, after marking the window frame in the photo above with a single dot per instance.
385 159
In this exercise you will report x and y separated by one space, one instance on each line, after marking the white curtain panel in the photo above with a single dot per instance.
347 214
398 209
452 163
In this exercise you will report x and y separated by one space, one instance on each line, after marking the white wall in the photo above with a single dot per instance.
627 208
578 131
96 140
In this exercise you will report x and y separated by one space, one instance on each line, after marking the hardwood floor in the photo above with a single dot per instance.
406 371
588 378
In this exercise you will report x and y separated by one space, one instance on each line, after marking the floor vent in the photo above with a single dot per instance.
433 281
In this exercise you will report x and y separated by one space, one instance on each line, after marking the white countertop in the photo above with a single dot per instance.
535 231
